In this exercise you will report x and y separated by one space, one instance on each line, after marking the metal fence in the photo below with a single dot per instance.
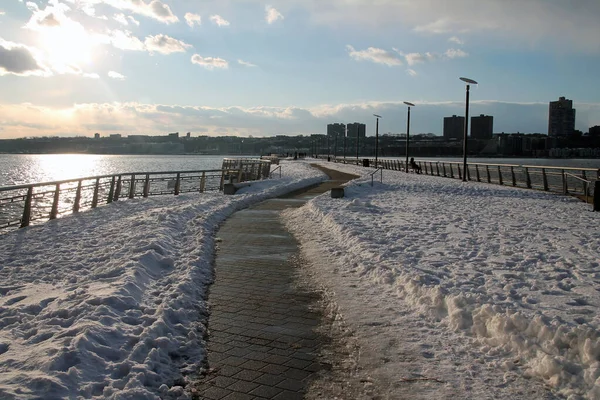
22 205
565 180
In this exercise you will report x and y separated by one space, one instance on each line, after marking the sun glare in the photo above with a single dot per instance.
67 45
57 167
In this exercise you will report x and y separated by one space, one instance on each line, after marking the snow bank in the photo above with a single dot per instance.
517 270
110 303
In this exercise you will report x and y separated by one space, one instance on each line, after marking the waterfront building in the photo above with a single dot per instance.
594 131
337 129
454 127
482 127
357 129
561 118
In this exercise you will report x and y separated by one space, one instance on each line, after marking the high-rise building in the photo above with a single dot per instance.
454 127
561 118
482 127
334 130
357 129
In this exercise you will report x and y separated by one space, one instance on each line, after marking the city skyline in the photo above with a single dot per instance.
74 68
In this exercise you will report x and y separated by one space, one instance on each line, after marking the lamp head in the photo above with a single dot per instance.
471 81
409 104
378 116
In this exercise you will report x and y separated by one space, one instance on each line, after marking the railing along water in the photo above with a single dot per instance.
21 205
565 180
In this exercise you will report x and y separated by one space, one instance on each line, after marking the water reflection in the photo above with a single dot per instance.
57 167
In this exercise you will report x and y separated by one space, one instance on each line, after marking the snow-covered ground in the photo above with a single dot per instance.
109 303
461 290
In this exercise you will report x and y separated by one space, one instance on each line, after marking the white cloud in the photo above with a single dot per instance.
2 13
217 19
116 75
18 59
165 44
82 119
416 58
154 9
123 40
455 53
375 55
120 18
246 64
411 72
91 76
272 14
457 40
209 62
193 19
133 20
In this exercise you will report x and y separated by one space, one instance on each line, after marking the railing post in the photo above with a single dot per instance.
240 175
564 182
477 172
459 172
597 195
500 180
584 183
487 170
54 210
437 168
77 198
222 180
468 172
111 191
202 182
147 185
27 208
177 184
444 168
118 189
95 196
512 173
527 178
132 187
545 179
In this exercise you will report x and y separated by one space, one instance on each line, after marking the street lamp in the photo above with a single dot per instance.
376 138
408 131
345 134
469 82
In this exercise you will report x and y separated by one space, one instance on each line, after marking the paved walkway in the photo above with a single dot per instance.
262 340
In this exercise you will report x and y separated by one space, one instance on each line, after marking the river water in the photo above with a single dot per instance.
17 169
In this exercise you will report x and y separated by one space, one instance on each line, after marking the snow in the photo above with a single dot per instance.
110 303
489 289
453 289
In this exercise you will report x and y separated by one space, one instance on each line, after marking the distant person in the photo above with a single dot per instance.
415 166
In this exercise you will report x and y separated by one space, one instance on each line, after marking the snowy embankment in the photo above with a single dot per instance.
110 303
516 271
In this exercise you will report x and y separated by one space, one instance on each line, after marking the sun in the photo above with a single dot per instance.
67 46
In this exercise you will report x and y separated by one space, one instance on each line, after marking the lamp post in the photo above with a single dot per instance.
407 132
345 134
357 138
376 139
469 82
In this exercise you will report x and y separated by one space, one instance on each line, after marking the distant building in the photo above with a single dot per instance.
188 135
357 129
454 127
115 136
334 130
174 135
594 131
96 136
482 127
561 118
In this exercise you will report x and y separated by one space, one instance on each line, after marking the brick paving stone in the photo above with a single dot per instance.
267 392
262 341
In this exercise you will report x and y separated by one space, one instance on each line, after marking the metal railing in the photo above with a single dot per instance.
565 180
380 170
22 205
278 168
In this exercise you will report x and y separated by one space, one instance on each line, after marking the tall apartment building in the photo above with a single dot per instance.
561 118
334 130
482 127
454 127
357 129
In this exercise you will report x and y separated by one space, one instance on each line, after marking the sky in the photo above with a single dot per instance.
249 67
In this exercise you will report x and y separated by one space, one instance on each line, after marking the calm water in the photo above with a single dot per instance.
18 169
